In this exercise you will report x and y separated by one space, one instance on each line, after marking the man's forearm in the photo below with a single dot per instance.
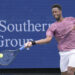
43 41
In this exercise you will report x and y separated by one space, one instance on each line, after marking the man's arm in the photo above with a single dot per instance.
41 41
44 41
73 27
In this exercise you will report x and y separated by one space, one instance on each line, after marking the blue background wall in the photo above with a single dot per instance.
37 11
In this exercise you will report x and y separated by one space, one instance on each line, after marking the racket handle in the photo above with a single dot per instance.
22 47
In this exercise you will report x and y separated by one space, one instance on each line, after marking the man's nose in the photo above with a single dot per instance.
54 13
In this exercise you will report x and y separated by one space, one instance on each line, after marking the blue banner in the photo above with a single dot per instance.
26 20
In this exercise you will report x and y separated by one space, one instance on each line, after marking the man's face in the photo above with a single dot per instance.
56 13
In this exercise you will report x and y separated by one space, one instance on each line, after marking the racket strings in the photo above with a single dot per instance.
8 56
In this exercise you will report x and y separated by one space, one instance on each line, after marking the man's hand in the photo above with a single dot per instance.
28 44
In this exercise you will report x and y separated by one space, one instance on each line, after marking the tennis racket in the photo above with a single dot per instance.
9 55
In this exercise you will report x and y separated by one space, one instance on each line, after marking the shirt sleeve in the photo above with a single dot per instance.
50 30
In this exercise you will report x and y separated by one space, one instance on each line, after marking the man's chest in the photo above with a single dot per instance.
64 27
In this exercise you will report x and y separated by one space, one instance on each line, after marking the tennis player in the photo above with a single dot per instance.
64 32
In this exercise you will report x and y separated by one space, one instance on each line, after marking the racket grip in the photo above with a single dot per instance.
22 47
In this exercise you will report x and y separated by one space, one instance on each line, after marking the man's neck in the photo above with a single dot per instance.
61 19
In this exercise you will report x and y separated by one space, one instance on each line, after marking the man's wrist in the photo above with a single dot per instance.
33 42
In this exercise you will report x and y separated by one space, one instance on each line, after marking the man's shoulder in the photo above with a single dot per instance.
69 18
54 23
